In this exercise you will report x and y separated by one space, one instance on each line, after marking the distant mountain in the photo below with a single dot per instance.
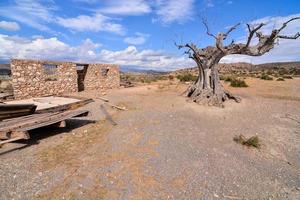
137 69
245 68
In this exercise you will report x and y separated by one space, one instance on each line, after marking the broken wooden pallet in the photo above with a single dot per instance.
17 128
69 106
16 110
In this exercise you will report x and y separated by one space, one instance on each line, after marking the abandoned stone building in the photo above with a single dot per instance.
33 78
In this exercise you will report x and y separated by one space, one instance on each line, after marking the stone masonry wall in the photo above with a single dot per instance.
29 78
95 79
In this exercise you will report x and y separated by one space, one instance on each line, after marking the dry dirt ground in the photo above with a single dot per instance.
164 148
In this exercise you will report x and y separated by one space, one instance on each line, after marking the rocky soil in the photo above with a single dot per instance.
164 147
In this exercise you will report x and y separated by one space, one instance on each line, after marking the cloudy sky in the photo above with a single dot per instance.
139 33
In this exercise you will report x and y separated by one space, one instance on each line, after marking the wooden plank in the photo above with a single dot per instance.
10 140
117 107
18 122
16 110
23 117
40 121
103 99
70 106
15 134
54 119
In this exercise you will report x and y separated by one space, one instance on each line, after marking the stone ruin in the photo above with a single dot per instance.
34 78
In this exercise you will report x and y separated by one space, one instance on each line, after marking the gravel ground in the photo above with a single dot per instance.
164 148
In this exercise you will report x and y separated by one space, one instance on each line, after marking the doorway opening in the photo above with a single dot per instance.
81 72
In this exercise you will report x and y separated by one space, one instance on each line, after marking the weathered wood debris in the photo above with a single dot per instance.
18 119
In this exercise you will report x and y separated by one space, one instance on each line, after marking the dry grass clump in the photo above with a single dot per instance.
287 77
250 142
186 77
280 79
266 77
228 78
236 82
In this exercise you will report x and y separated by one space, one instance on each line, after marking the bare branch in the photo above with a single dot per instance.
190 47
285 23
231 29
207 29
252 31
289 37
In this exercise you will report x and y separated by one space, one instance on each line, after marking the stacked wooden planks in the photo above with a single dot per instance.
17 128
16 110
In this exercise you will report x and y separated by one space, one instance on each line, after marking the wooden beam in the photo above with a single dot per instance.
103 99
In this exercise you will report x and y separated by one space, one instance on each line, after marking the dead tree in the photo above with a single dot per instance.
208 89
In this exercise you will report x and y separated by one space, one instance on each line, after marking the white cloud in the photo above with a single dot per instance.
149 59
169 11
30 12
88 51
276 22
138 39
93 23
9 26
131 7
39 14
286 50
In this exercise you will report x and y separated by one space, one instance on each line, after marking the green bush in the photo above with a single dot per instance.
266 77
238 83
280 79
186 77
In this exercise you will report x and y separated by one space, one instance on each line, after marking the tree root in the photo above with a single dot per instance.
208 97
234 97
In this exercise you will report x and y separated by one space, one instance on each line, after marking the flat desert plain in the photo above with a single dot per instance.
164 147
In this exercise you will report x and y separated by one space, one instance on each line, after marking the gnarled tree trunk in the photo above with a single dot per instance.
208 89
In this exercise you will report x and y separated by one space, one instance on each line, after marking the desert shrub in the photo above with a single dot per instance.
296 72
128 77
228 78
287 77
186 77
251 142
280 79
235 82
171 77
266 77
269 72
283 71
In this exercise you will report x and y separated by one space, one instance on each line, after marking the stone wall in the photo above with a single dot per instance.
97 79
29 78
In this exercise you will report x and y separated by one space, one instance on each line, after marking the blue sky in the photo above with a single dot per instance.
139 33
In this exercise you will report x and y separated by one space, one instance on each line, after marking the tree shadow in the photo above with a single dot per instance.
39 134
